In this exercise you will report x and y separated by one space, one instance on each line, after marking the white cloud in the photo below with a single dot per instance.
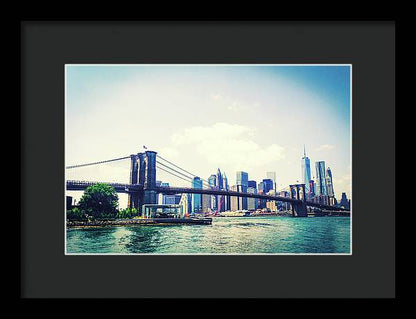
217 96
235 106
324 147
230 144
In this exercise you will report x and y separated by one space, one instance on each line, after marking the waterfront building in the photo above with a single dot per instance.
242 183
227 203
329 184
220 185
284 205
206 203
171 199
272 176
261 203
272 204
234 202
219 179
330 187
311 189
252 184
260 187
186 203
252 203
344 201
212 181
196 198
242 178
306 171
163 199
321 188
267 185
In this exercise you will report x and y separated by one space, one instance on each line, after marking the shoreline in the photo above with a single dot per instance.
138 222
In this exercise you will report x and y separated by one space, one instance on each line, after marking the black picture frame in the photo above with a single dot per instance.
47 45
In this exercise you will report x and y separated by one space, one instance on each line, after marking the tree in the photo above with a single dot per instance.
99 200
75 214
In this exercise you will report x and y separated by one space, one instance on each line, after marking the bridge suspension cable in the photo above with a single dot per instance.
100 162
176 171
188 179
193 175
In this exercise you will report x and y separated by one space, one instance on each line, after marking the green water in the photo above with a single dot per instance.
226 235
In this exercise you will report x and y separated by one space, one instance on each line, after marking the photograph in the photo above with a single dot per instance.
208 159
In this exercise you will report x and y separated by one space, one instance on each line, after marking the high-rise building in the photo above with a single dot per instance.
212 181
329 184
220 198
252 184
252 202
272 176
206 203
260 187
227 203
344 201
242 184
306 171
234 202
311 189
321 188
162 198
267 185
242 178
196 198
219 179
186 204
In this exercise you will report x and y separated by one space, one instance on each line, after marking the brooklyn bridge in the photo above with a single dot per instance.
143 189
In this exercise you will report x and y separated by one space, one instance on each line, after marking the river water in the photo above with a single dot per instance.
226 235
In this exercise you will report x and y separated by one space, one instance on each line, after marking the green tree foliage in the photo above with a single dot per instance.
127 213
99 200
76 214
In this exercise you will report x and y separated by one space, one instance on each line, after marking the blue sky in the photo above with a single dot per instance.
251 118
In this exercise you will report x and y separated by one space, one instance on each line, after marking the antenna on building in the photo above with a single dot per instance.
304 150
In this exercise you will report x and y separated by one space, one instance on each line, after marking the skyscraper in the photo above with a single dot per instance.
252 202
242 178
345 202
252 184
306 171
212 181
219 179
321 189
267 185
329 184
311 189
227 201
272 176
220 199
242 184
196 198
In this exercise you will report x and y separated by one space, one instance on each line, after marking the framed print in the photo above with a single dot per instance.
188 155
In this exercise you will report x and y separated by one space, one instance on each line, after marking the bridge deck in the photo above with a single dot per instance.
133 188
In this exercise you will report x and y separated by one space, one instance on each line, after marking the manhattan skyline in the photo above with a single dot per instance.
247 118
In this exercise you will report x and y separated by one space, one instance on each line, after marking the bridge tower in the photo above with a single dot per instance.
133 199
297 191
143 172
149 178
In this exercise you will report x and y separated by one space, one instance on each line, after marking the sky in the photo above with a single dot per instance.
254 118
